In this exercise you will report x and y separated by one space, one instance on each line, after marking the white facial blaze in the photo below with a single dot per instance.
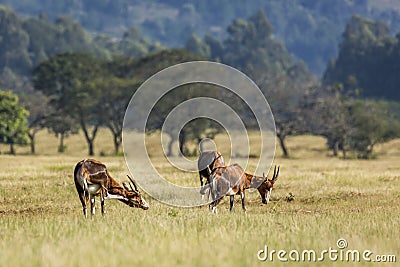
268 195
145 204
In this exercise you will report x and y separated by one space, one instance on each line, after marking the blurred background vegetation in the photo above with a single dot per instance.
327 68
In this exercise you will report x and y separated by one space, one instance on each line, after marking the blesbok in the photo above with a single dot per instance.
92 179
232 180
207 162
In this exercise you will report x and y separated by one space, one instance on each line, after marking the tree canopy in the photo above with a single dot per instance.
69 81
368 60
13 120
25 42
311 29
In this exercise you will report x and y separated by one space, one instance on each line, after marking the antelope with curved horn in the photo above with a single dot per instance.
232 180
92 179
265 188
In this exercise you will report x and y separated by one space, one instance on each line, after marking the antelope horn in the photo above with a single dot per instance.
133 182
276 173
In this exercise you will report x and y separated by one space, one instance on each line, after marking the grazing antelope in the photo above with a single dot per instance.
93 179
207 162
232 180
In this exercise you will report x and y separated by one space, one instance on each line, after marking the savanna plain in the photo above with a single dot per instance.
317 200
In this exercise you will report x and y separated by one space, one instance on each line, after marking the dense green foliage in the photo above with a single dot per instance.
372 124
368 59
70 80
251 47
26 42
311 29
13 120
353 124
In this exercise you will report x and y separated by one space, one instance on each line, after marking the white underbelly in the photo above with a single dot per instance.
94 189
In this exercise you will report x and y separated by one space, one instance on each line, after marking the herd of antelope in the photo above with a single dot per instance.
92 179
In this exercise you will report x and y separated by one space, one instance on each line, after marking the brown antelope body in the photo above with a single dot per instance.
92 179
232 180
207 162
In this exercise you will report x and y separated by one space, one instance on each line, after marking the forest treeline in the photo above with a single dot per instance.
69 80
311 29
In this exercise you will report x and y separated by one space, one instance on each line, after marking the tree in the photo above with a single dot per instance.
39 109
115 96
149 65
198 47
195 131
333 117
372 125
215 46
14 43
368 59
251 47
352 124
133 44
69 80
13 121
45 37
62 126
290 103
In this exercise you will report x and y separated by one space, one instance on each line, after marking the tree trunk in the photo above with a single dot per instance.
12 149
182 141
61 147
91 149
117 137
89 139
117 143
170 143
32 142
336 148
344 149
283 145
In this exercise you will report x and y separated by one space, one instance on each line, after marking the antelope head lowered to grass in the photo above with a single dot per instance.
93 179
265 188
232 180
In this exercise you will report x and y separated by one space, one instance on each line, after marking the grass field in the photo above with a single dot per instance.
41 221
